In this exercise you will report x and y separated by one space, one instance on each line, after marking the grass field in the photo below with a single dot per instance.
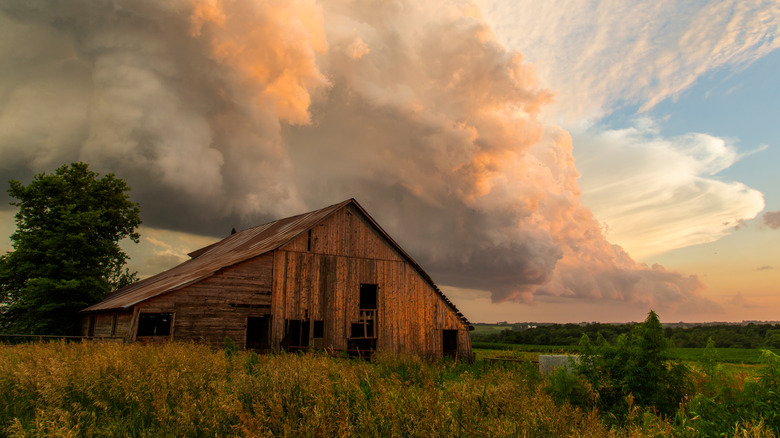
97 390
55 389
746 356
546 349
743 356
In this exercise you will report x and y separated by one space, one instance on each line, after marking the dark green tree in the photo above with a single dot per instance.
637 364
66 253
772 338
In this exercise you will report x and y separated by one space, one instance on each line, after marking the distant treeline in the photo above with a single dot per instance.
725 335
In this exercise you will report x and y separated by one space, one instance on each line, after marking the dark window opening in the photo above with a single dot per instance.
363 329
113 325
308 243
363 333
368 296
450 343
363 348
258 332
154 324
296 334
318 329
91 326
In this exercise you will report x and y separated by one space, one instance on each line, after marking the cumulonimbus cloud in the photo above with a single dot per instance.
217 111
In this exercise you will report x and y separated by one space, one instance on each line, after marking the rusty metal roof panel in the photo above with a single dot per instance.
234 249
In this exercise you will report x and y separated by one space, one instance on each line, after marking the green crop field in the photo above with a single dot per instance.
747 356
546 349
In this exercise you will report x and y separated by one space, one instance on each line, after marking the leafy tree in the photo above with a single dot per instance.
772 338
66 252
635 369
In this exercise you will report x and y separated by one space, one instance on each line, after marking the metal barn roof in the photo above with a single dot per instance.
237 248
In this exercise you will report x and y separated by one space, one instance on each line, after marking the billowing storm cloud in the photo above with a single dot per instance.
227 112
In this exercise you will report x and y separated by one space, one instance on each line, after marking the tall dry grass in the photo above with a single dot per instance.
57 389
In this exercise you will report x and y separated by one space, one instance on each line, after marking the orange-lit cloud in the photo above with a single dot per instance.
220 113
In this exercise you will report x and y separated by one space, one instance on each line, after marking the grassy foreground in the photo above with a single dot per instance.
57 389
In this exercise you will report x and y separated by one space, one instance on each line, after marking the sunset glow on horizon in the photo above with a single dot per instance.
560 162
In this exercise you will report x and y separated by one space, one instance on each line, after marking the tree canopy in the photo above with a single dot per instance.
66 253
751 335
637 364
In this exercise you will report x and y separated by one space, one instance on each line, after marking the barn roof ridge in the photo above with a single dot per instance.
239 247
203 250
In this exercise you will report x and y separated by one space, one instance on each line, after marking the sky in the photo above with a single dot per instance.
558 161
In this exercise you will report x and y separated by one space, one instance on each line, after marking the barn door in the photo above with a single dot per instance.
450 343
258 333
363 335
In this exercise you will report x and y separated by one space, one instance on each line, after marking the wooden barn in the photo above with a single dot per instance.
328 279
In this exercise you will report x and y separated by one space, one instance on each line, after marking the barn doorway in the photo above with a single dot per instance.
154 324
258 333
363 333
449 343
296 334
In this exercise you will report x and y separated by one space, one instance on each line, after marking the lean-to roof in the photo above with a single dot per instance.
237 248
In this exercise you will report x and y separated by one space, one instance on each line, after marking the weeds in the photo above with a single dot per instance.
190 390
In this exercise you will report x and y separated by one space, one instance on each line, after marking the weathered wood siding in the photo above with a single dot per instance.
107 324
345 233
218 306
319 277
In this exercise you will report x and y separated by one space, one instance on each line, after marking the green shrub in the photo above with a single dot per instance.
565 386
634 370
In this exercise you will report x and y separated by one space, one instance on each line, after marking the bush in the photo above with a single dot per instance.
634 370
565 386
725 402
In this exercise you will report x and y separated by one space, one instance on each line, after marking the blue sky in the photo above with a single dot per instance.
743 104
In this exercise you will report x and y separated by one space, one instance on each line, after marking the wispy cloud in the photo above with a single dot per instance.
599 55
656 194
160 249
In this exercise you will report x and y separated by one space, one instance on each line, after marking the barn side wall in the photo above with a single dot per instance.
214 308
107 324
319 276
